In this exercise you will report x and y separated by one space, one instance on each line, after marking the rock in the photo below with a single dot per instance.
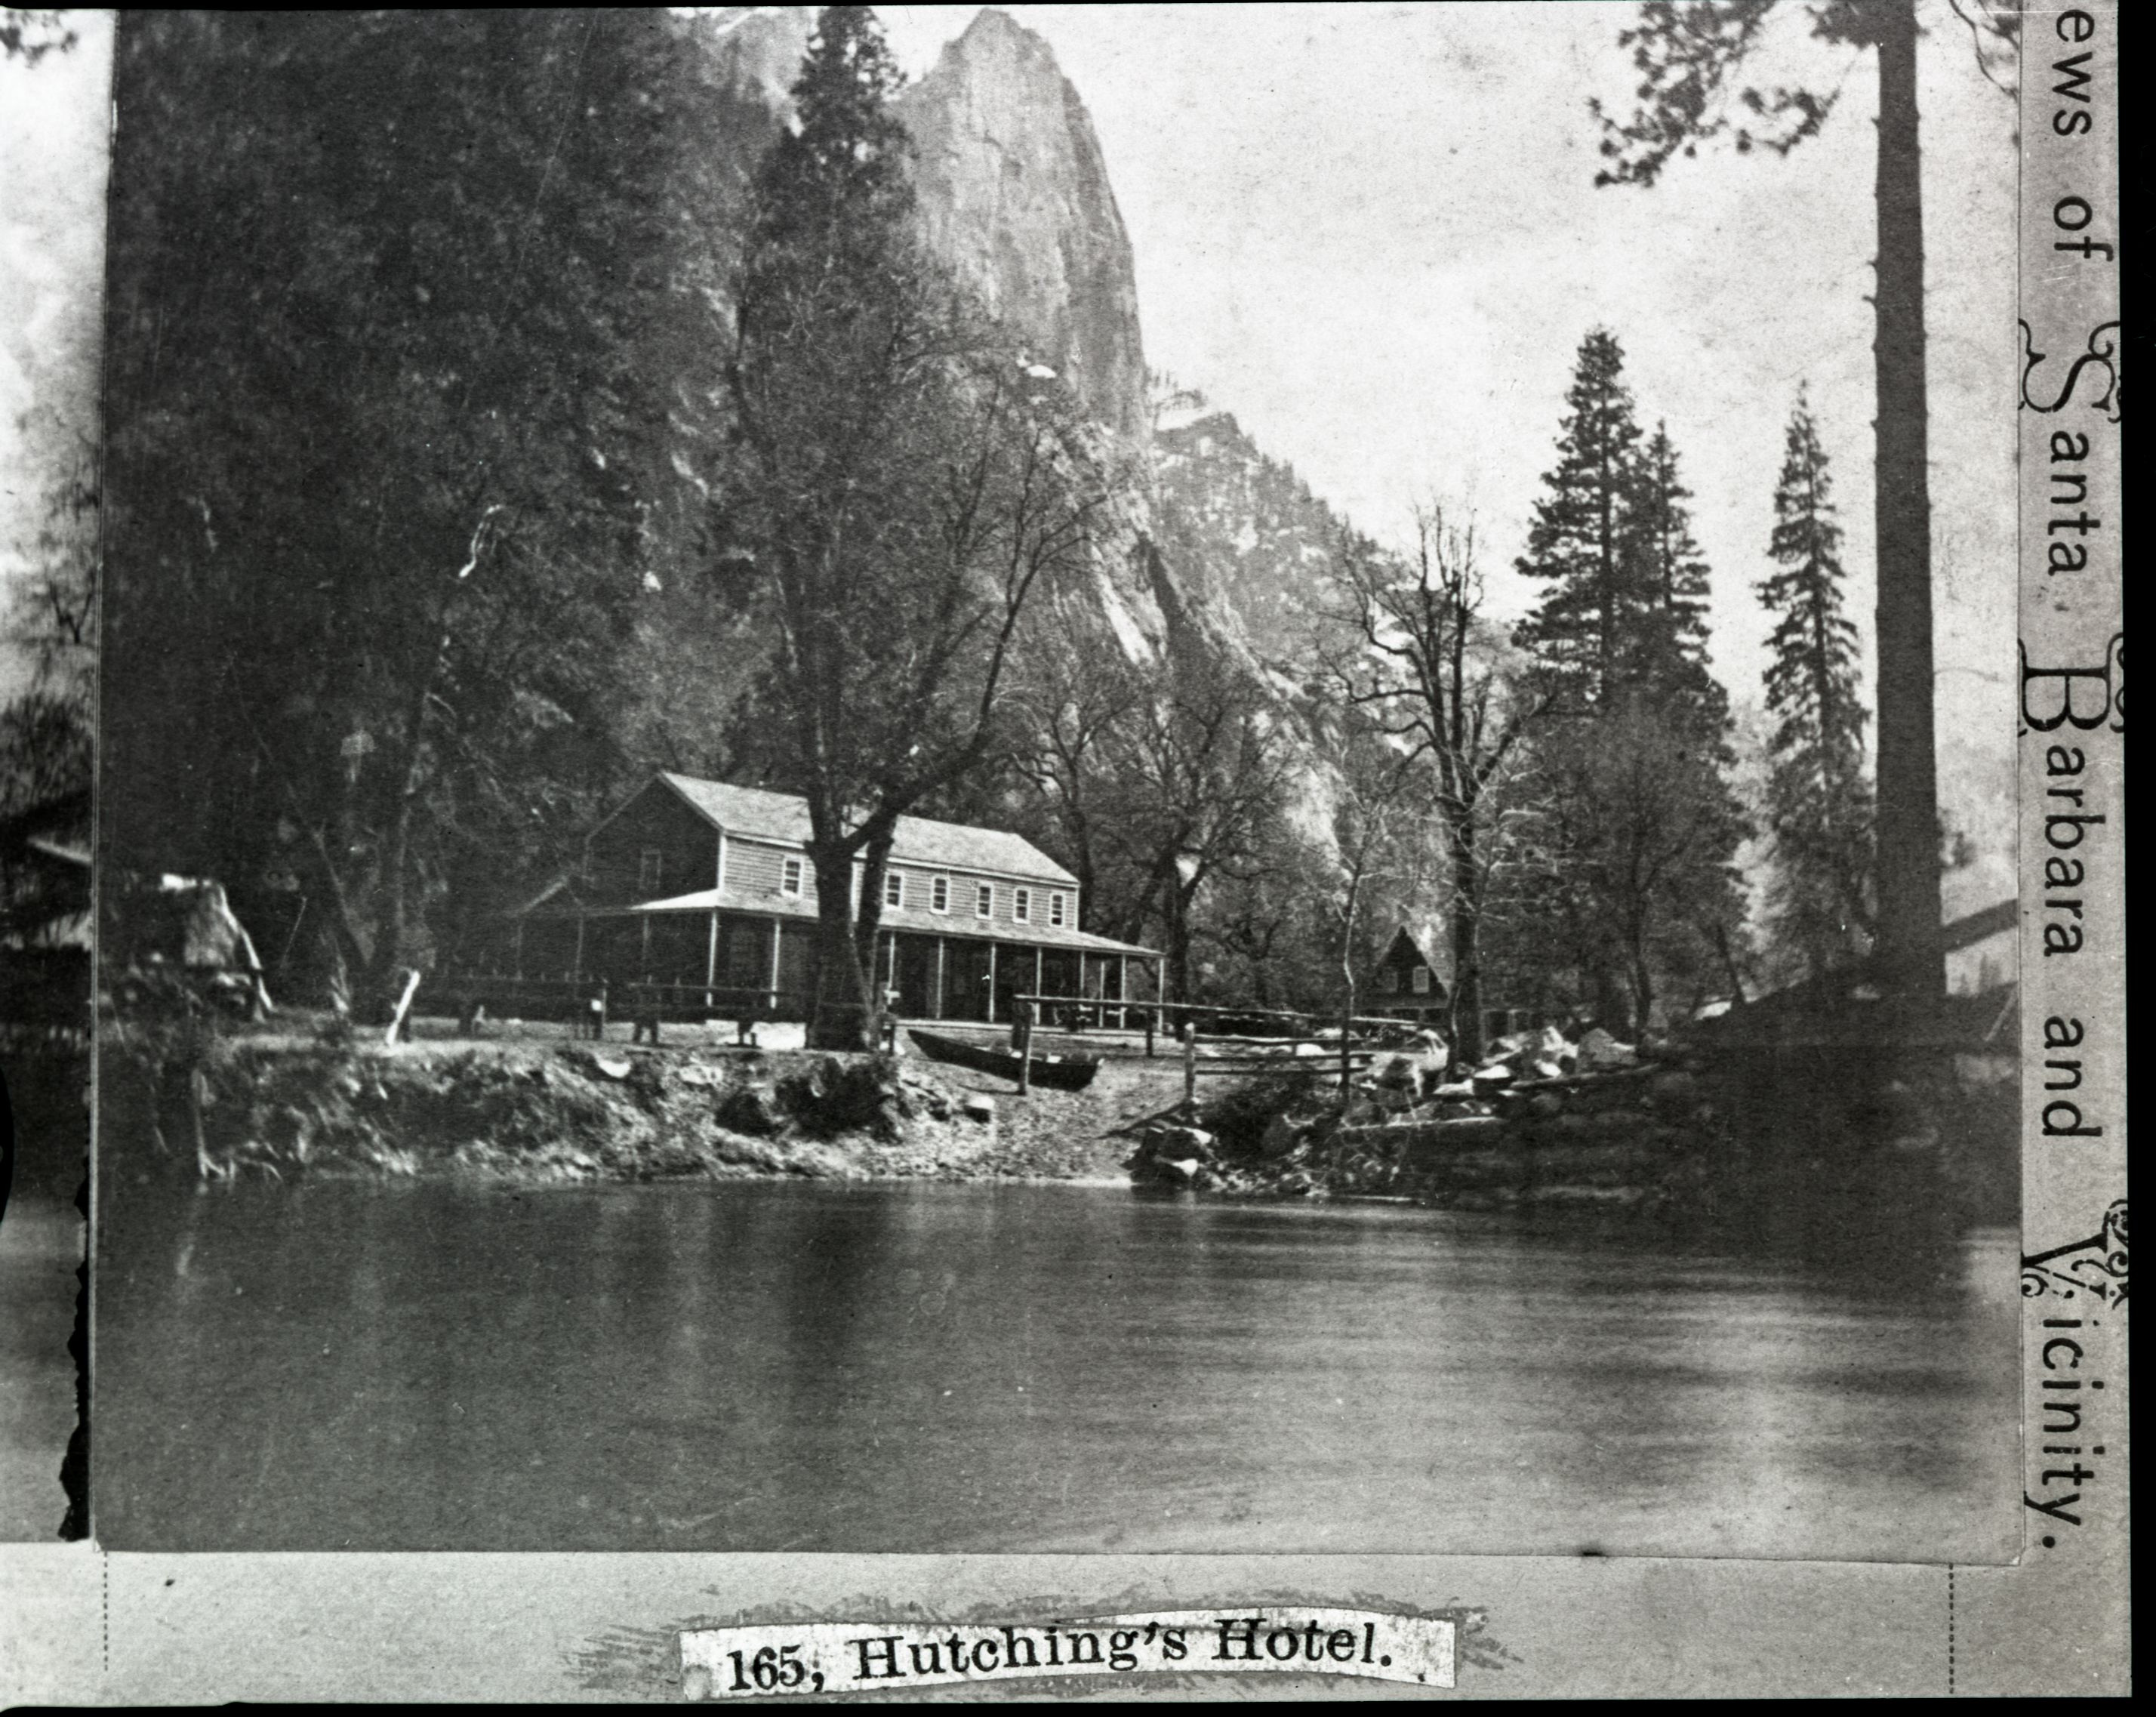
1673 1090
1491 1077
1545 1070
977 1107
747 1109
1599 1051
1545 1103
1549 1045
1457 1092
1281 1138
697 1074
1395 1072
1014 195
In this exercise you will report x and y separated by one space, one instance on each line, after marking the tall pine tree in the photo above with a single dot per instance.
1580 542
1639 825
1670 577
1819 801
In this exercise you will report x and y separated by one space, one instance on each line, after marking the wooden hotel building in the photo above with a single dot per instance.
696 882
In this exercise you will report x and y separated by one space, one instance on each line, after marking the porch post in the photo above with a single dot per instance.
777 930
1122 990
937 1012
1038 969
644 946
712 958
576 958
991 983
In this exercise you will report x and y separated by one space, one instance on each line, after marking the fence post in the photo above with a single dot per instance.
1190 1064
1151 1019
1024 1047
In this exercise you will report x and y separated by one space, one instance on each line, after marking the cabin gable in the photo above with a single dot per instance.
654 846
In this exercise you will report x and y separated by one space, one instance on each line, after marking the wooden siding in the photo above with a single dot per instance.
656 819
1004 920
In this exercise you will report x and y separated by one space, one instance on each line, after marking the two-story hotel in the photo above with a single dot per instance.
697 882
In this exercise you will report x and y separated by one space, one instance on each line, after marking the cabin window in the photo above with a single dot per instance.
789 877
650 870
1022 905
1419 980
1055 910
984 901
939 895
894 889
1388 980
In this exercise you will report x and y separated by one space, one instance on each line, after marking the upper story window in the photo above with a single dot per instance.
789 877
1022 905
1056 910
939 895
984 900
1419 980
650 870
1389 979
894 888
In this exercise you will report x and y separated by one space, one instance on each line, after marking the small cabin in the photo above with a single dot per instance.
1405 984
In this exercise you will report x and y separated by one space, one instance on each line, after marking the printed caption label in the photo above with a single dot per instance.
834 1657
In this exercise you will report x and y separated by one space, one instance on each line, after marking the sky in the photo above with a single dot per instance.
1371 232
52 138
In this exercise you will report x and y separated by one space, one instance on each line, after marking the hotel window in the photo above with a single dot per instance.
1418 981
1389 979
894 888
1022 905
939 895
984 900
1055 910
789 877
650 869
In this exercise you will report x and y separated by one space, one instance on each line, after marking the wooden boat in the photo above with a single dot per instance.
1056 1072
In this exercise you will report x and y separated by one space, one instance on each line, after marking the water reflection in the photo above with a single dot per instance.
759 1366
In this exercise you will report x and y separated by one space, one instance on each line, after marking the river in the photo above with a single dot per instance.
762 1365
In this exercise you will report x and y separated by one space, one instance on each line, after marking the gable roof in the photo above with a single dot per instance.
757 813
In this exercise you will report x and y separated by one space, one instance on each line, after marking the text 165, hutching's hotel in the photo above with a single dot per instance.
700 883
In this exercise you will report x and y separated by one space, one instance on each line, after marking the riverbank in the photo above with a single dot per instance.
283 1105
1659 1127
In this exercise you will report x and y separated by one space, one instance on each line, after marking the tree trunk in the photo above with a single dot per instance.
1178 940
867 925
1912 964
838 1017
1466 951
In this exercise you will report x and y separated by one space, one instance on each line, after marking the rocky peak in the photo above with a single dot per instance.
755 52
1014 196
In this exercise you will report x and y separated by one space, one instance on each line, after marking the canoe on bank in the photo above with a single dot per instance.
1057 1073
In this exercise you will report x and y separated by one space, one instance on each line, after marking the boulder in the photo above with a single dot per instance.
976 1105
1281 1137
747 1109
1598 1052
1551 1045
